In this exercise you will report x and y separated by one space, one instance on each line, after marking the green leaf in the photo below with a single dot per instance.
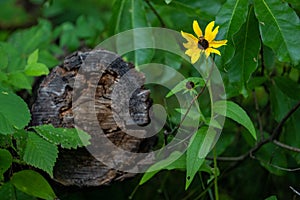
176 160
193 162
131 14
34 184
182 85
231 17
28 40
236 113
67 138
279 28
19 80
5 161
280 103
4 58
33 57
245 60
288 87
36 69
40 153
271 198
7 191
270 156
14 113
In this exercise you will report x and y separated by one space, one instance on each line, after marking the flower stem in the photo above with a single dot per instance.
216 174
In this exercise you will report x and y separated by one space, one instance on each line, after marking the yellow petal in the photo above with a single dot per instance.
208 31
211 50
189 37
217 44
207 52
195 57
197 29
213 35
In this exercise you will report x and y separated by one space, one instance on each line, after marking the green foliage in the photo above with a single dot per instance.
236 113
273 16
193 161
34 184
14 113
66 138
259 67
5 162
40 153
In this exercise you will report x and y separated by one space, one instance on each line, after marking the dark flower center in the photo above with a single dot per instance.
190 85
202 43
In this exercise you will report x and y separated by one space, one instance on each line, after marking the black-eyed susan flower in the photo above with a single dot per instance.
202 43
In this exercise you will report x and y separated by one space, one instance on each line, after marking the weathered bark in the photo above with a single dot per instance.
56 103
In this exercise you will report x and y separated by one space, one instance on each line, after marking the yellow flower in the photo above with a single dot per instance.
202 43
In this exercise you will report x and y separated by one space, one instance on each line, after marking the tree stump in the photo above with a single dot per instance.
56 102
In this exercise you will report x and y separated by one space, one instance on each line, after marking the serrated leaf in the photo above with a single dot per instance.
5 161
34 184
176 160
67 138
36 69
279 28
271 198
236 113
131 14
40 153
245 60
33 57
231 17
182 85
288 87
193 162
14 113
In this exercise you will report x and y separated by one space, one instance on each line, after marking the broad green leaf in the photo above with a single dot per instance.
193 162
40 153
34 184
168 163
14 113
231 17
279 28
236 113
19 80
36 69
288 87
67 138
197 81
33 57
5 161
245 60
131 14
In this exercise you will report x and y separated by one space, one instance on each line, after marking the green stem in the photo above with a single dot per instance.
215 174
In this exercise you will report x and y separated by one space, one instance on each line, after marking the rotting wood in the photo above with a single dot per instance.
56 101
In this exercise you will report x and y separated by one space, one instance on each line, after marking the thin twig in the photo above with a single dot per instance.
294 190
273 137
156 14
285 146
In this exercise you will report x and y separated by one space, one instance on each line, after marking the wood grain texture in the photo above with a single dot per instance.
64 98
